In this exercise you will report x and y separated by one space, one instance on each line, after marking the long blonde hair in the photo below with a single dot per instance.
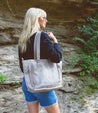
31 25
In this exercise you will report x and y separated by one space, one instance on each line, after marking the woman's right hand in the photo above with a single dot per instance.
51 35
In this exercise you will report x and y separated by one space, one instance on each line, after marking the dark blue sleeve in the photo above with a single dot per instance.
20 59
52 51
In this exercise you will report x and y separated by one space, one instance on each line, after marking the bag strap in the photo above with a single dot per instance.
37 45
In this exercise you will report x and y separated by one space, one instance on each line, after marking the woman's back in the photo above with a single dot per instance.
48 50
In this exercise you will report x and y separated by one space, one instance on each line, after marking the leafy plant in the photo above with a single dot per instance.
90 81
88 42
73 60
3 78
89 36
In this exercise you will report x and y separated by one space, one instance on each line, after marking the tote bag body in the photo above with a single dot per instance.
41 74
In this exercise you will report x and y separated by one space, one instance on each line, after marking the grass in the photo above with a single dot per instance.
3 78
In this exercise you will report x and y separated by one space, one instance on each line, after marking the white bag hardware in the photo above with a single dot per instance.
41 74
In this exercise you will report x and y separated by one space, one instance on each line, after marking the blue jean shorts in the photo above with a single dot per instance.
46 99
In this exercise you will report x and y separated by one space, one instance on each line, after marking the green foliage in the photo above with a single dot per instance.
82 101
15 83
3 78
91 82
73 60
88 42
94 84
89 36
87 56
89 64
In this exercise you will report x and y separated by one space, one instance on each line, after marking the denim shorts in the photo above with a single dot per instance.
46 99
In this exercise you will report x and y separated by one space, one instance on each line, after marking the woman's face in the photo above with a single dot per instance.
42 21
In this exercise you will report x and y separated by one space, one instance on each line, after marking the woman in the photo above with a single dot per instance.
35 20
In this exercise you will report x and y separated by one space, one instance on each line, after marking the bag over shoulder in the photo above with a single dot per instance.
41 74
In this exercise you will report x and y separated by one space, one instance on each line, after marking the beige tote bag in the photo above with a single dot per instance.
41 74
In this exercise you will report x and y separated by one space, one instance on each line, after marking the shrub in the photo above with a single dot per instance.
88 42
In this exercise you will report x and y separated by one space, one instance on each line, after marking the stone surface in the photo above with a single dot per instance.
9 32
70 83
12 101
73 70
9 64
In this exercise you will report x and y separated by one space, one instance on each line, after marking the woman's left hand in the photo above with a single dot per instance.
51 35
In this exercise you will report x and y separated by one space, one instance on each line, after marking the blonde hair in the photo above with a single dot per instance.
31 25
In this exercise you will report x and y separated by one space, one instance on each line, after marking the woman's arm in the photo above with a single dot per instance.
51 50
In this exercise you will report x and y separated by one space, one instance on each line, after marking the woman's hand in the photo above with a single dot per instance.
51 35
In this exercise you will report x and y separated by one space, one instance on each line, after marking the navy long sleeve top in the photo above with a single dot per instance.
48 50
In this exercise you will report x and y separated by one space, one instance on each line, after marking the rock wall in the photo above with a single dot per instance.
70 96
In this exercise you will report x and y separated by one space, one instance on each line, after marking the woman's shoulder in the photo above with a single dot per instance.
44 34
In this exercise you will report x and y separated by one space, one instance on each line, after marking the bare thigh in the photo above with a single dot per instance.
53 109
33 107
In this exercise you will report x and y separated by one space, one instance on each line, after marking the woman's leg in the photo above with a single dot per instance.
53 109
33 107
